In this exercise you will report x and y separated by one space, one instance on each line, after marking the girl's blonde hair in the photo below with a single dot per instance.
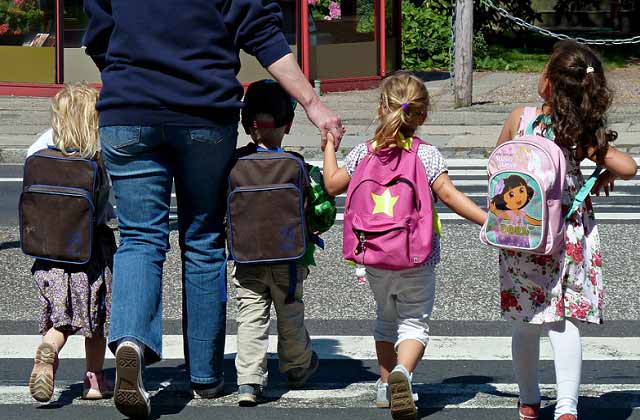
404 102
75 120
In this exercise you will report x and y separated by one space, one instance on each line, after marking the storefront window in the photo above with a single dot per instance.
77 65
342 38
27 41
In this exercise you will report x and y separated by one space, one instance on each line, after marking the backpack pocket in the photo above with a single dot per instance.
56 223
256 235
385 245
517 212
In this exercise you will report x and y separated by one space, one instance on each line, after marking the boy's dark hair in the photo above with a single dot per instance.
510 183
267 97
580 99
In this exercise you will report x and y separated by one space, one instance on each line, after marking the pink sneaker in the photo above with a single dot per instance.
96 386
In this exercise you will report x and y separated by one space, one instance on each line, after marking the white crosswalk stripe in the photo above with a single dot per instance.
13 391
360 347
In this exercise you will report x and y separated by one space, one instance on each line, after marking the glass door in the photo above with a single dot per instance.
341 39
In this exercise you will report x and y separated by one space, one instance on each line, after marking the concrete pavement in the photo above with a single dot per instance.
462 133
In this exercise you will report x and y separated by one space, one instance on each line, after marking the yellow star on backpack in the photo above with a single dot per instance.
384 202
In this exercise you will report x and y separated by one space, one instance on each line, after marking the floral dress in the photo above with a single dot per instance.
569 284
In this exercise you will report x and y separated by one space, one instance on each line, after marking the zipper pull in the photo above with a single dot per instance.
361 241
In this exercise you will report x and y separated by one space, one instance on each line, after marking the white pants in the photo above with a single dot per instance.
404 301
567 351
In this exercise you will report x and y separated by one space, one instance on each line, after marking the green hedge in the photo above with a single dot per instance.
426 30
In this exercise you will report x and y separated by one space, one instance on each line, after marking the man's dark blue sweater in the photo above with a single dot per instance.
175 62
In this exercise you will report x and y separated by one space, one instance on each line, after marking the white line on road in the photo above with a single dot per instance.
360 347
361 394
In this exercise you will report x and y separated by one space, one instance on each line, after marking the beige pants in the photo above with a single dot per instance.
257 287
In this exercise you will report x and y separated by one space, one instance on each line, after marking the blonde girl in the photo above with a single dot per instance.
75 299
404 298
554 293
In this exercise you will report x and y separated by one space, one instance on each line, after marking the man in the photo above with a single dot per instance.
169 110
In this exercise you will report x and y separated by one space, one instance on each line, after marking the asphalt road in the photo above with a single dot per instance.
466 374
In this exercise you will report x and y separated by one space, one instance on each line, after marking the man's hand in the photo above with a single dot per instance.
604 182
327 121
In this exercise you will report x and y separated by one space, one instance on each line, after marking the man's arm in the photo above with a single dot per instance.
96 39
256 28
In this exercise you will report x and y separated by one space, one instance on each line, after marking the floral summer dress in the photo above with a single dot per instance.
569 284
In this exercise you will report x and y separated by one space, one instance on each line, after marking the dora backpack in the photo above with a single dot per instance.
388 216
58 205
526 182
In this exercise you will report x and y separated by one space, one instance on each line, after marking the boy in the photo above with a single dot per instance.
267 117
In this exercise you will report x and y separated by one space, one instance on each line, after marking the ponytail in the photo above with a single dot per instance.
404 102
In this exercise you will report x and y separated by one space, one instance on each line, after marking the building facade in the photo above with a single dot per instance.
340 44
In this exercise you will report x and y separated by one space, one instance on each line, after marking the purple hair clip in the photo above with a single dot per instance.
405 107
499 188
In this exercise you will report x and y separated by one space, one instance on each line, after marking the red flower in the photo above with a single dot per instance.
596 259
538 296
18 2
575 252
593 276
4 28
560 308
577 311
17 32
507 300
542 260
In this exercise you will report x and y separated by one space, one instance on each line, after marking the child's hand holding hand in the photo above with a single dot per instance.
605 182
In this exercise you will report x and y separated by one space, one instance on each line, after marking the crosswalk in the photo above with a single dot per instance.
470 177
459 373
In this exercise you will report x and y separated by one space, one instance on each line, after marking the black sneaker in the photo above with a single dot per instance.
248 395
298 377
207 391
129 394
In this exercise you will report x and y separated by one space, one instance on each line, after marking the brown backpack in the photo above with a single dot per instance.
58 207
266 208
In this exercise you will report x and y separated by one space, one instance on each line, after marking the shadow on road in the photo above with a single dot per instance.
9 245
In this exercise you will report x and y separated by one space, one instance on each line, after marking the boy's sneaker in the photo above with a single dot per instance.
248 395
403 407
297 377
129 394
382 395
207 391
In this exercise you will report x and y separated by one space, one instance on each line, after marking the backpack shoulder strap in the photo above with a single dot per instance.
584 192
529 115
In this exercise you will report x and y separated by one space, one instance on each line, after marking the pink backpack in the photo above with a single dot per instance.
388 217
526 179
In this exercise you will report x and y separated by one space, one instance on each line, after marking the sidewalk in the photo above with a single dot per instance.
463 133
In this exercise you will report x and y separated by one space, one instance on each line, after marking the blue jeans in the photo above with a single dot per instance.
143 162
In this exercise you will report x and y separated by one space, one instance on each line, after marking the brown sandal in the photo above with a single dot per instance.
42 379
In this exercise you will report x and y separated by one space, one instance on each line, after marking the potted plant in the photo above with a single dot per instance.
18 18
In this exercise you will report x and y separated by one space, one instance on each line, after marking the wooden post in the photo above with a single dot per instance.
463 83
